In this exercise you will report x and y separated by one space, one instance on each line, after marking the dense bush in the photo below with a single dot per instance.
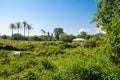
45 60
97 67
47 64
67 45
9 47
91 43
35 38
4 37
54 50
1 45
16 37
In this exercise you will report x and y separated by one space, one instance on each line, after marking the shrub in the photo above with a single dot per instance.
54 50
9 47
47 64
65 45
35 38
89 44
88 67
3 53
1 46
4 37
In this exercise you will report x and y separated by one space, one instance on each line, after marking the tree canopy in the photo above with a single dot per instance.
108 19
57 32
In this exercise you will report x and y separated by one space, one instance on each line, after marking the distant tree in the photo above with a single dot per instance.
78 36
4 37
18 26
52 35
24 26
48 37
57 32
42 38
35 38
48 33
88 36
72 36
65 37
43 31
29 27
16 37
83 34
12 27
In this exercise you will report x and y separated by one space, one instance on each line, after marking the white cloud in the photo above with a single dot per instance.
82 29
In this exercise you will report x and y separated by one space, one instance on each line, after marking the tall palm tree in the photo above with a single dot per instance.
48 34
43 31
29 27
18 26
24 26
12 27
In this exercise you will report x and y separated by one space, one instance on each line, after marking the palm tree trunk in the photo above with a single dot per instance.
18 30
12 31
24 31
18 33
28 34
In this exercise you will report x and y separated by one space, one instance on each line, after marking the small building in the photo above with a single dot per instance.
78 40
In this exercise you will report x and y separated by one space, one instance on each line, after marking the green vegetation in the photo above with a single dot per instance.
56 61
108 19
49 57
57 32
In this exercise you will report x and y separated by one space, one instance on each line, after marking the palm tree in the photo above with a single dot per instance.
43 31
18 26
48 34
24 25
12 26
29 27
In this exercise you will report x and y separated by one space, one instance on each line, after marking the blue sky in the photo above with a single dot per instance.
71 15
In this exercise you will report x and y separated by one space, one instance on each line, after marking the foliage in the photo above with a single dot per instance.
45 60
83 34
17 26
16 37
91 67
47 64
108 19
12 27
57 32
7 47
35 38
4 37
54 50
54 60
66 38
91 43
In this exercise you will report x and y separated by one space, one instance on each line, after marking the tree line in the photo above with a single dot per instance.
57 35
20 25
